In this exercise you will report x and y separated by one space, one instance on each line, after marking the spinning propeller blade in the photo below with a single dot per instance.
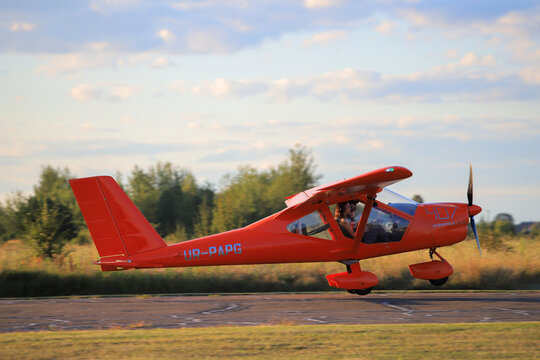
470 188
473 209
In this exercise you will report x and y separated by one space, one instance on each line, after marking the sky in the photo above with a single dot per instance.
100 86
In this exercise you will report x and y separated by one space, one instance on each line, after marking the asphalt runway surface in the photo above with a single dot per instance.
266 309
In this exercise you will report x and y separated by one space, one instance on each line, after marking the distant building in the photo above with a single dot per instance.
525 227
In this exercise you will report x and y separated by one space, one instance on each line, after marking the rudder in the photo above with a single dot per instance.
116 225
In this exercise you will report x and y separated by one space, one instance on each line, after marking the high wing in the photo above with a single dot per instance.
366 183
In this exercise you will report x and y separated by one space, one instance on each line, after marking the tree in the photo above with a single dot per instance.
504 224
168 196
203 222
12 217
241 201
3 223
49 225
169 213
142 190
251 195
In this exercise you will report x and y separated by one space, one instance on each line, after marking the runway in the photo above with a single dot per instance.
266 309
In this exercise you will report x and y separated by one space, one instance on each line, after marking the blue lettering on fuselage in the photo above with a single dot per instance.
221 250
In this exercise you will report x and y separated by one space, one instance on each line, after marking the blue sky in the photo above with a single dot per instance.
102 85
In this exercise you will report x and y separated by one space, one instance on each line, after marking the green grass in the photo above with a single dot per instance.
434 341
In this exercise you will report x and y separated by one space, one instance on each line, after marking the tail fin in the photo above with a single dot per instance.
117 227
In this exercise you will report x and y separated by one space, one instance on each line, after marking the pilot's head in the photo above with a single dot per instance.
341 209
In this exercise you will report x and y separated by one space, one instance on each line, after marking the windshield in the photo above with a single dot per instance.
397 201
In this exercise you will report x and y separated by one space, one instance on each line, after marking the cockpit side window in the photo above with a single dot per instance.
347 220
383 227
311 225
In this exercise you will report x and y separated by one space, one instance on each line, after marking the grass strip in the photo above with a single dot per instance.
442 341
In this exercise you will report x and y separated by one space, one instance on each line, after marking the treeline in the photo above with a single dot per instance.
179 206
170 197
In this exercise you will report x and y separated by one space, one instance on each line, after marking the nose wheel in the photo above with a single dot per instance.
436 271
439 282
360 291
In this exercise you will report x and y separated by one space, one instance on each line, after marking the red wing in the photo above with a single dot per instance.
361 184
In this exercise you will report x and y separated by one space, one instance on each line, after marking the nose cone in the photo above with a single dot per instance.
474 209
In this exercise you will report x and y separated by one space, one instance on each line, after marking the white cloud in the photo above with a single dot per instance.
531 75
385 27
72 63
325 37
218 88
122 92
205 42
471 59
191 5
376 144
84 92
469 80
166 35
126 120
313 4
95 56
21 26
87 126
98 47
223 88
515 30
13 148
451 53
419 19
104 6
179 85
406 121
161 62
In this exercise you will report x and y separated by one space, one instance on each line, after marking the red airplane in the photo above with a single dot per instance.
344 221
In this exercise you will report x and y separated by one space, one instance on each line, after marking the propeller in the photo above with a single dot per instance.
473 209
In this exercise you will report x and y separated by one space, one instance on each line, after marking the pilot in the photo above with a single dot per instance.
343 217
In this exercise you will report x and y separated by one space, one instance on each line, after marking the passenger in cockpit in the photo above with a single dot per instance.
343 216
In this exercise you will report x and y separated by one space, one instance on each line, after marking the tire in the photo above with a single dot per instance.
439 282
363 291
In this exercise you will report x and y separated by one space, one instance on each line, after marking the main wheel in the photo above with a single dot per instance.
439 282
363 291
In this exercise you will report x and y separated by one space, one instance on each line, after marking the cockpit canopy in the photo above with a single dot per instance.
383 224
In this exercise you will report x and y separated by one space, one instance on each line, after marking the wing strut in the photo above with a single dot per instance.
363 219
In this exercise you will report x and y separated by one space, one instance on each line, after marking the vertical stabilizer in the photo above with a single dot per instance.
116 225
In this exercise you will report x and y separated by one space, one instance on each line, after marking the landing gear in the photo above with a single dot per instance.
355 281
439 282
436 271
362 291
